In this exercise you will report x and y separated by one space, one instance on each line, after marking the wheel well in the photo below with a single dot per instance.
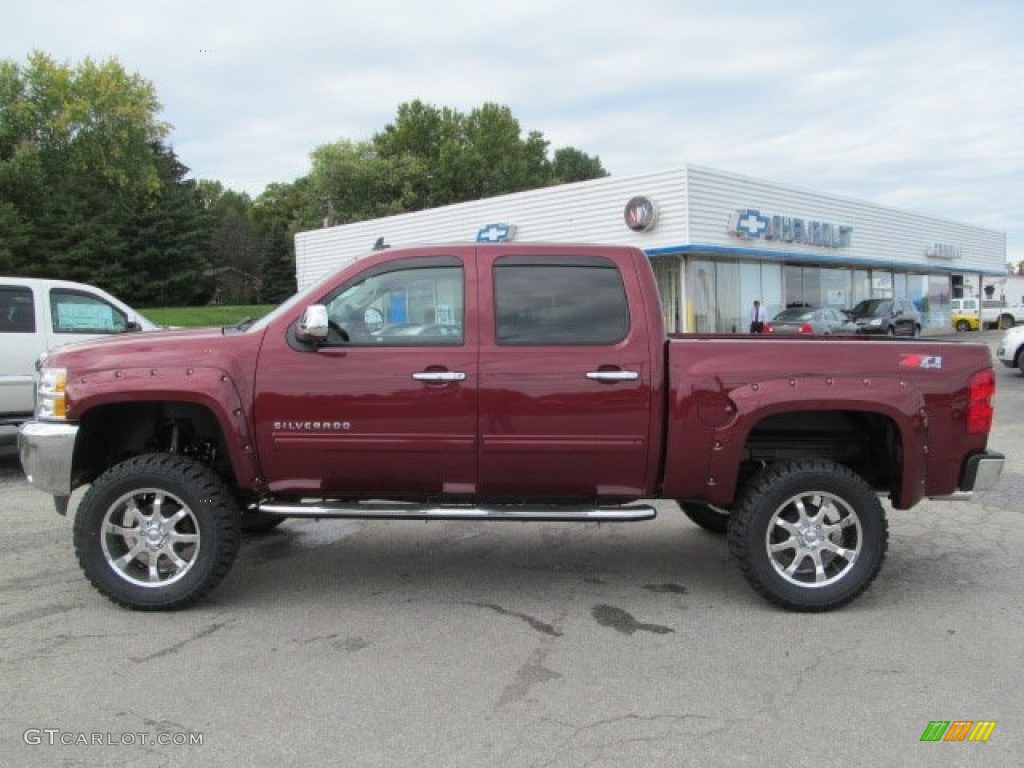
109 434
868 443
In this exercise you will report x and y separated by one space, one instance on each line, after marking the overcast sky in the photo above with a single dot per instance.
915 105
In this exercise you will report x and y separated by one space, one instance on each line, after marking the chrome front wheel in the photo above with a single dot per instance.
150 537
157 532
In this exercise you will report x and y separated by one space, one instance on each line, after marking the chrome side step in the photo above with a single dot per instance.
380 510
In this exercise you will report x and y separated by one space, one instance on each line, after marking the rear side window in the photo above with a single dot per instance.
17 313
559 301
75 312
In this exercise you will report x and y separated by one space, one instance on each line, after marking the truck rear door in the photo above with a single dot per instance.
565 376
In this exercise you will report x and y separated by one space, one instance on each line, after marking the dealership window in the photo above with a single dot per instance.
835 288
667 275
899 280
881 284
861 288
931 295
722 293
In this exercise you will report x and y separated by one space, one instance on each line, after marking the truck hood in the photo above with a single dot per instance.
193 346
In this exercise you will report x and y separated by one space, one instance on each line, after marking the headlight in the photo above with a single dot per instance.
876 321
51 398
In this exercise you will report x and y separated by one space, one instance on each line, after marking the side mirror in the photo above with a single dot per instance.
313 324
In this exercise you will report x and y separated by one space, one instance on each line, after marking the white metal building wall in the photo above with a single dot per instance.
880 234
694 208
584 212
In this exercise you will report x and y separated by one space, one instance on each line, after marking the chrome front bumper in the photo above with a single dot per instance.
46 451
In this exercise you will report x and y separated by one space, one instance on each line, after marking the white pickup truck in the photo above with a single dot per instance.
37 315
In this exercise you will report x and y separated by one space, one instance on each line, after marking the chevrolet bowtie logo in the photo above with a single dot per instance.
496 233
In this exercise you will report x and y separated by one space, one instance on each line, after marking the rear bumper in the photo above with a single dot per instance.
981 473
46 452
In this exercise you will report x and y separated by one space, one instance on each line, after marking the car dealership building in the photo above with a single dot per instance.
717 241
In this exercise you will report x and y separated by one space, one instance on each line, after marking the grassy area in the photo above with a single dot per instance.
192 317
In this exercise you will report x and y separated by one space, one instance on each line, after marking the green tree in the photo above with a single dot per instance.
277 214
77 162
571 165
168 243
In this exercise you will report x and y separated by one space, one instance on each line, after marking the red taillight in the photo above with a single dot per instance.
806 328
980 392
769 328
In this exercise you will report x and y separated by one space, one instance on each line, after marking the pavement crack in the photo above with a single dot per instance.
534 623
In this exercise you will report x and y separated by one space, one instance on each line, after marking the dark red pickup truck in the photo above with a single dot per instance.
500 382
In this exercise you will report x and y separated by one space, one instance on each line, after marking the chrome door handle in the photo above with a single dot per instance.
613 375
440 376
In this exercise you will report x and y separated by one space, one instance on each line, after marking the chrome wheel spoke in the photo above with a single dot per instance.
784 546
819 569
177 517
801 555
128 557
846 554
176 561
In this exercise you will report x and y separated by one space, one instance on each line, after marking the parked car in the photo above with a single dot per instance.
37 315
893 317
965 321
1011 348
811 320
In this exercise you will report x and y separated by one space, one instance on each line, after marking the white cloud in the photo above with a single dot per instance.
902 105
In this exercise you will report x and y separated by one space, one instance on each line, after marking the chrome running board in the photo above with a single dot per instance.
380 510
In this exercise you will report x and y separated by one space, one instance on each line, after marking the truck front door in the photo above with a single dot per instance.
565 377
388 406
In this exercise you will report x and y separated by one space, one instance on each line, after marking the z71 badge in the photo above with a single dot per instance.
920 361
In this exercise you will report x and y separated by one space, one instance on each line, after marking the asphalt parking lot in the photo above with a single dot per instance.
453 644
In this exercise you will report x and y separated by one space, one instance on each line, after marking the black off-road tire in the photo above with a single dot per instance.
157 532
809 535
707 517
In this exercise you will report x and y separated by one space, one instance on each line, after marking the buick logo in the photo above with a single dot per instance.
640 214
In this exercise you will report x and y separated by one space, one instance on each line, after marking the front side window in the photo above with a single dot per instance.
559 301
415 304
17 312
75 312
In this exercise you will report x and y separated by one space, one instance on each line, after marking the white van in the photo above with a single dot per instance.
990 313
37 315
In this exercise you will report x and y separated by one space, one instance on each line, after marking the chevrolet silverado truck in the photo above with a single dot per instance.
500 382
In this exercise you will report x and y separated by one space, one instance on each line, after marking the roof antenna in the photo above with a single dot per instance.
380 245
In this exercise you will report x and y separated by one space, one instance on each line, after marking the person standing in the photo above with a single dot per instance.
756 318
